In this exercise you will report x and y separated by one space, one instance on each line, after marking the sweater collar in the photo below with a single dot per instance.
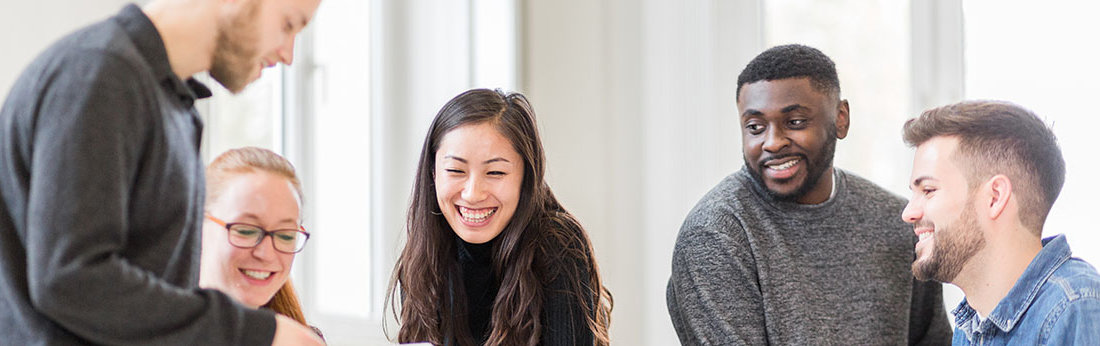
784 206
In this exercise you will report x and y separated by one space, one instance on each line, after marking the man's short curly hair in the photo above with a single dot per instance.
792 61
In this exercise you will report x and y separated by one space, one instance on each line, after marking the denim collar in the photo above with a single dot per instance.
1011 308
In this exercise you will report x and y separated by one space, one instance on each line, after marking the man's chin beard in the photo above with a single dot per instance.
809 184
929 270
934 269
953 250
235 58
812 179
815 170
233 82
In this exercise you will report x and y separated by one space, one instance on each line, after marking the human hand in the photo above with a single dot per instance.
289 332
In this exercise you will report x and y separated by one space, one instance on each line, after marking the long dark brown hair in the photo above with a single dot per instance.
425 278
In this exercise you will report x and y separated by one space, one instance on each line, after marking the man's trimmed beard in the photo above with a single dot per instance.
953 247
814 170
235 53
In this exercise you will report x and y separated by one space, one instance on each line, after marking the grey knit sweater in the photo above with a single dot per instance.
751 270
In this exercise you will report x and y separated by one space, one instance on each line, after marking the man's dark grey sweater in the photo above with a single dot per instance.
752 270
102 198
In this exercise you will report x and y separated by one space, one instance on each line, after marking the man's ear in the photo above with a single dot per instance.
842 119
999 188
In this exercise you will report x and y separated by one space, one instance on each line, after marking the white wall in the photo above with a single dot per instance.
636 104
28 27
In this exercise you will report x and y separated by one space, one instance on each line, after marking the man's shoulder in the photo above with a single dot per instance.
722 213
1076 279
1067 301
728 198
103 45
1074 282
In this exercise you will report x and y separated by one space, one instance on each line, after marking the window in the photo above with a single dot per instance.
328 130
869 42
494 44
341 158
252 118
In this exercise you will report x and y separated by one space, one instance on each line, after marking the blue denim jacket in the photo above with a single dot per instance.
1055 302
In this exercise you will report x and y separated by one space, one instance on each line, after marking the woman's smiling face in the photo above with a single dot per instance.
478 175
250 275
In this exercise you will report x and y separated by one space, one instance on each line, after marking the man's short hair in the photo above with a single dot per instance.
792 61
997 137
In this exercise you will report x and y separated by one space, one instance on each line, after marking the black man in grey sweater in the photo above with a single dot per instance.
790 250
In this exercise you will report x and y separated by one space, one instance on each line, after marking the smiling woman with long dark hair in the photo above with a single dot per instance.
491 255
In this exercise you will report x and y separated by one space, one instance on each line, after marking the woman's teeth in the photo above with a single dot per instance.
476 215
258 275
784 165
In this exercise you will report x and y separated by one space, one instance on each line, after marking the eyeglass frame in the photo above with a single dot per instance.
301 229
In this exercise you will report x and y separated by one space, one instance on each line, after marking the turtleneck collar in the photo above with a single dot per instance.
481 254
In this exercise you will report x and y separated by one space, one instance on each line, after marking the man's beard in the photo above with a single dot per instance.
814 169
953 246
235 53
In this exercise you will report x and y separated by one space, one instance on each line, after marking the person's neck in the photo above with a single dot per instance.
988 276
189 31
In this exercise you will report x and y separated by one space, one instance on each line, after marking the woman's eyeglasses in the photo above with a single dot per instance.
246 236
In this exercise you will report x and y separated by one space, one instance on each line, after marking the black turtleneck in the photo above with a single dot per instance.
481 286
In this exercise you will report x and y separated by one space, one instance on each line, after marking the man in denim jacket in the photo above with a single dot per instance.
985 176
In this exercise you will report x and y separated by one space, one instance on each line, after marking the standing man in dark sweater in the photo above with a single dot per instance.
101 183
789 250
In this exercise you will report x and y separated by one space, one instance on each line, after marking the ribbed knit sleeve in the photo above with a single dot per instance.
564 322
